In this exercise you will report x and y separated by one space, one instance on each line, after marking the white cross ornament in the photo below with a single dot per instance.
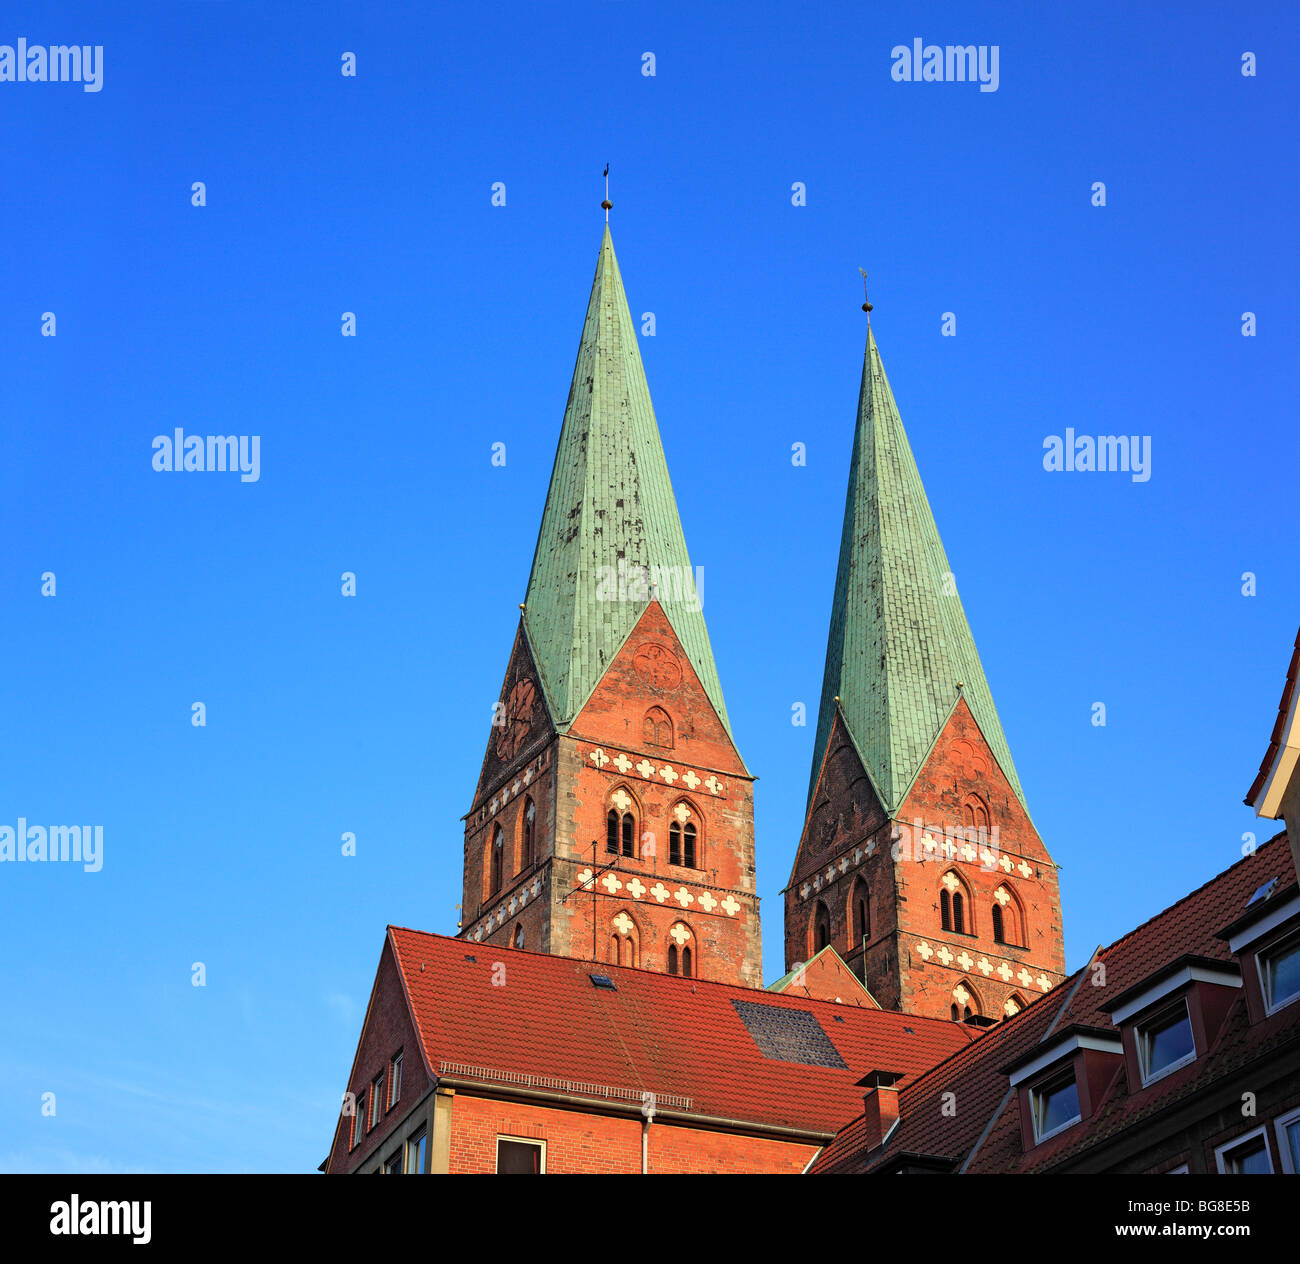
646 768
622 763
730 905
690 780
683 897
660 892
680 933
707 902
599 758
623 924
635 889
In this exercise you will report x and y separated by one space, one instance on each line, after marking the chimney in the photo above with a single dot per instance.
880 1106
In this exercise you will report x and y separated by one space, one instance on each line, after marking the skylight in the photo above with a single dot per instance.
1264 892
602 981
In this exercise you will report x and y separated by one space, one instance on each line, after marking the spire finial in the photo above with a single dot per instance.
606 204
866 302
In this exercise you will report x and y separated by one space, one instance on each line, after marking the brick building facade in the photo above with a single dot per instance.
601 1008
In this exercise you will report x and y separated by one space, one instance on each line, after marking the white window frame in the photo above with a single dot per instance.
376 1113
1140 1034
1271 1007
1280 1124
359 1108
1035 1096
394 1079
410 1145
1237 1142
532 1141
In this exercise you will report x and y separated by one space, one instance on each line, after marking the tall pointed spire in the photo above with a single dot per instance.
900 651
610 512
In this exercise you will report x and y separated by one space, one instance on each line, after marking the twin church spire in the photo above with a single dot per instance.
613 818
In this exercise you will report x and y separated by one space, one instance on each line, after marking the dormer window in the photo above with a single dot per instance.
1165 1043
1279 973
1064 1080
1055 1105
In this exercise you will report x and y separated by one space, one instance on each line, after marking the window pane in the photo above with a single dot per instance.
415 1155
1282 972
1167 1040
1291 1139
1248 1159
519 1157
1057 1107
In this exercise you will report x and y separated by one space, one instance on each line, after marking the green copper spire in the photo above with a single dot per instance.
610 519
899 643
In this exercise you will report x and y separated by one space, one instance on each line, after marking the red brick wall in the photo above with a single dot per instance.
653 671
572 796
387 1029
605 1144
848 840
960 770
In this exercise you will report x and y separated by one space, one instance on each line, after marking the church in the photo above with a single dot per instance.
602 1005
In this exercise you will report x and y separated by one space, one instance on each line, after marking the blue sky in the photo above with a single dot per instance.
328 194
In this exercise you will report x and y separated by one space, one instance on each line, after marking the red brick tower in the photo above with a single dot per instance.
613 817
918 860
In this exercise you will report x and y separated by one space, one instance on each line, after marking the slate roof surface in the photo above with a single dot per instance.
975 1076
899 642
656 1032
610 501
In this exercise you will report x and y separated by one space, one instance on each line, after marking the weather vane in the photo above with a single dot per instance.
606 204
866 302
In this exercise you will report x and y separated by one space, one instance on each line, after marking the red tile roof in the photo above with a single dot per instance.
670 1035
981 1089
1279 725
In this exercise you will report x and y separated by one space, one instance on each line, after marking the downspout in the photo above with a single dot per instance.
647 1114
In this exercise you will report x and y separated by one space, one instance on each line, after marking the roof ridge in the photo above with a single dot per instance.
605 967
1223 873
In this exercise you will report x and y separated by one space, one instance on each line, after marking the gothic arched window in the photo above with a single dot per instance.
620 824
657 728
821 927
494 882
1008 920
860 912
529 820
954 905
683 838
518 937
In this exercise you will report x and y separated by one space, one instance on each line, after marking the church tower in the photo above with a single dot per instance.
918 861
613 819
